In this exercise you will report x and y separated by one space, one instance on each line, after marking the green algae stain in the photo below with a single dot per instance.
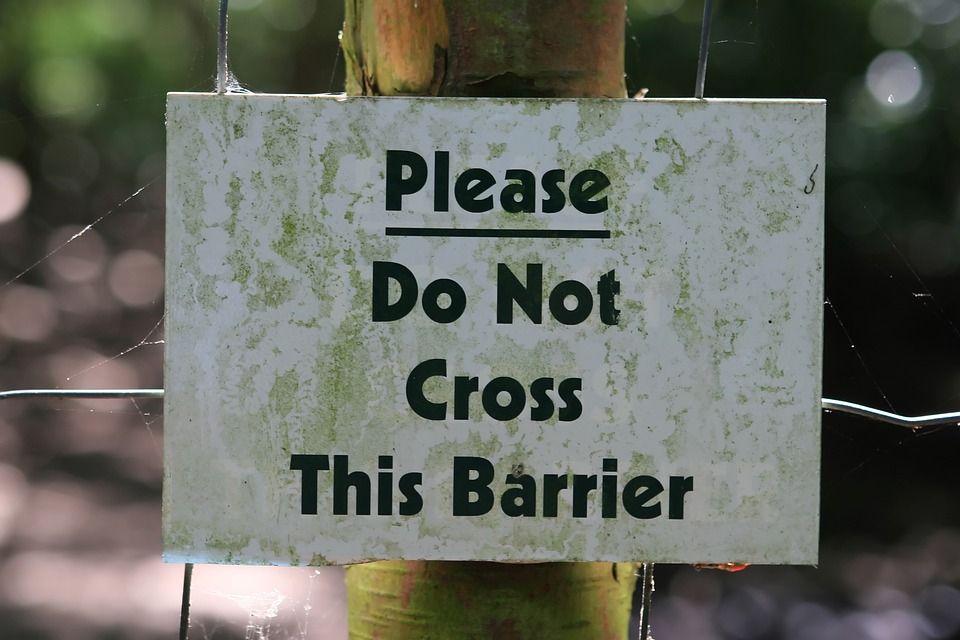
280 136
642 463
533 107
730 151
673 444
177 535
685 314
496 150
360 127
678 157
237 260
678 162
271 290
230 546
770 367
234 196
306 244
615 161
776 222
662 182
247 384
283 393
207 294
737 240
630 364
616 165
255 338
726 455
286 245
595 119
341 371
330 161
721 497
726 331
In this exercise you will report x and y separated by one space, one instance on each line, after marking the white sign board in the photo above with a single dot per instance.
492 329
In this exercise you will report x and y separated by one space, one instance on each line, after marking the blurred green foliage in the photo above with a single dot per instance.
100 69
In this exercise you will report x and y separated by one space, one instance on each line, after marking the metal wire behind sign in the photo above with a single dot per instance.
646 594
827 404
81 393
704 49
185 601
223 70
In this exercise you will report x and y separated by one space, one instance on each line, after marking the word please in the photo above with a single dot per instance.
407 174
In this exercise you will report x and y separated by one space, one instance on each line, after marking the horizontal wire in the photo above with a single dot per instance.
82 393
828 404
915 422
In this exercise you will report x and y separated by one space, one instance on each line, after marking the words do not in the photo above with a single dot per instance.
570 302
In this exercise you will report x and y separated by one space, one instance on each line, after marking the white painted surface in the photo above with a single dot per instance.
276 214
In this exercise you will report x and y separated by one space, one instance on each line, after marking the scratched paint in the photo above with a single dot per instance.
276 215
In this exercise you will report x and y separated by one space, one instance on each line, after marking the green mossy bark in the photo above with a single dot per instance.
487 48
394 48
491 48
398 600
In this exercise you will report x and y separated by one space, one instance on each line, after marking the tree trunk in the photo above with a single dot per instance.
492 48
484 600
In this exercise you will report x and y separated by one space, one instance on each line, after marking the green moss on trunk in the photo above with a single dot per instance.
485 48
562 601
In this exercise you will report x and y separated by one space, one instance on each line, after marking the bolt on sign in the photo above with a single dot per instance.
490 329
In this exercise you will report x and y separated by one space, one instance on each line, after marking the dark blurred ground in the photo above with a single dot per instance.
82 85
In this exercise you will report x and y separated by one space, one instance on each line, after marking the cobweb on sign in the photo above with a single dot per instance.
278 602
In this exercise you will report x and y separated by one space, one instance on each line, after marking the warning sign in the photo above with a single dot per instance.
489 329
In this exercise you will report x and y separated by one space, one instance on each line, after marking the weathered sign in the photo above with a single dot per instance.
492 329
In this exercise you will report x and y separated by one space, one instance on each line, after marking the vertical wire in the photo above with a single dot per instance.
704 49
222 70
185 601
647 597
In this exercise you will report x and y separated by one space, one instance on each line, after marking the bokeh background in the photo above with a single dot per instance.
82 98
